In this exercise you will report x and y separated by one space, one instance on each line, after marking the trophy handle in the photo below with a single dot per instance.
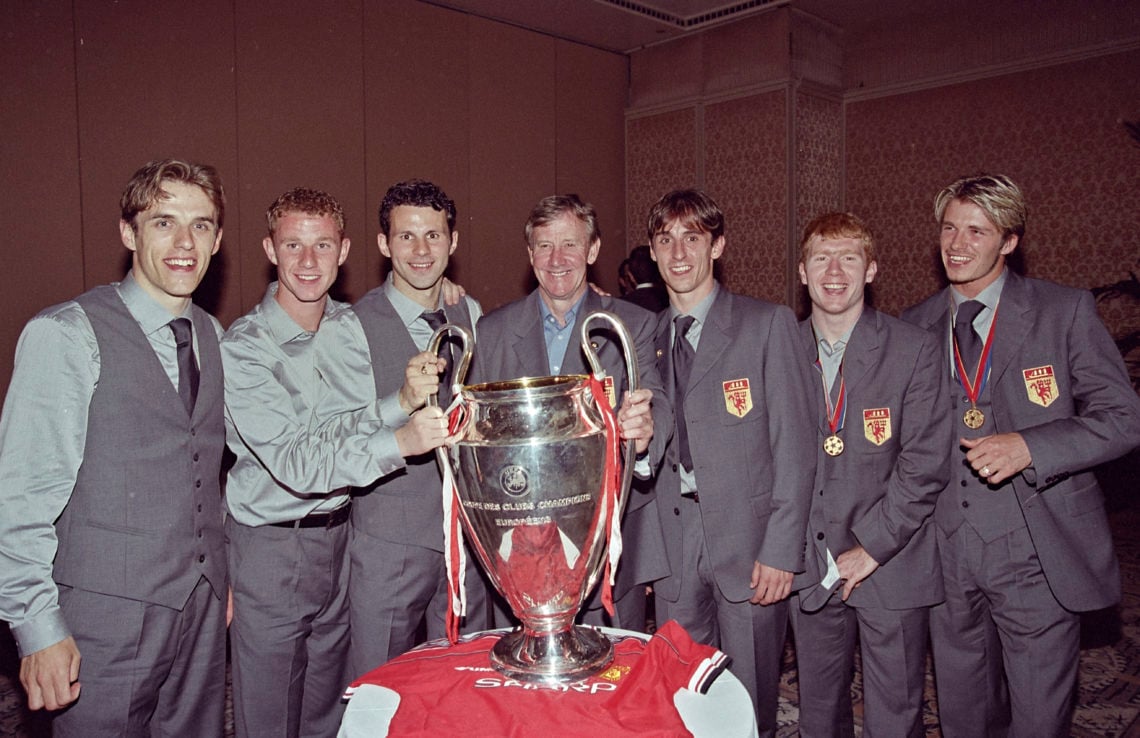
466 341
630 355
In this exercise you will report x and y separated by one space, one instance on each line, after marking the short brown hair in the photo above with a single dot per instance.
145 187
838 225
693 208
304 200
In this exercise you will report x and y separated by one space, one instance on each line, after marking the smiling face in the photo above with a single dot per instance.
973 250
560 251
308 251
419 243
173 240
836 273
685 256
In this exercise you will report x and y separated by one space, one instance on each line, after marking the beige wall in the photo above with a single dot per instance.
344 95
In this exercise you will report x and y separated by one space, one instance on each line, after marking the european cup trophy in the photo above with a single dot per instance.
539 486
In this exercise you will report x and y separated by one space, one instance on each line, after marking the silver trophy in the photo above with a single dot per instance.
529 472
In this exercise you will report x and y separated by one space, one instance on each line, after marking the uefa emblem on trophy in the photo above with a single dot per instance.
539 484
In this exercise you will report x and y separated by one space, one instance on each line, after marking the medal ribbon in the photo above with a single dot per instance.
837 415
982 371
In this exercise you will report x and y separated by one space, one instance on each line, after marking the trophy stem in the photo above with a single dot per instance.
568 655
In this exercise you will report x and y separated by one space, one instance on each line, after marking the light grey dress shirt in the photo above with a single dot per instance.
302 416
989 297
43 432
831 356
558 337
411 312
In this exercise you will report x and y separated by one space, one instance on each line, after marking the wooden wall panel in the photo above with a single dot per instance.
154 80
300 123
40 220
512 132
592 88
416 104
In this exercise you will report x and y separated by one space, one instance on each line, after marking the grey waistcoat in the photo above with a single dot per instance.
406 506
145 519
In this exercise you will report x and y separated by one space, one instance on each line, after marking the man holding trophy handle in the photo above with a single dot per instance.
537 336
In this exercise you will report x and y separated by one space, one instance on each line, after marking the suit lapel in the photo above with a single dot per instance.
862 351
715 338
811 354
664 352
1014 321
530 343
575 361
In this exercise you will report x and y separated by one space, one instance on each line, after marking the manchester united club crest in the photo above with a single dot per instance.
737 397
877 425
608 386
615 673
1041 385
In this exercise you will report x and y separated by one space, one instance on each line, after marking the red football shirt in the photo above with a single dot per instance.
453 690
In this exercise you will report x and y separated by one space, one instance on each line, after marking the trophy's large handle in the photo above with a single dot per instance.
466 342
630 353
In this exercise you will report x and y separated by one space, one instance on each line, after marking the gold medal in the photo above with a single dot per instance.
974 418
833 445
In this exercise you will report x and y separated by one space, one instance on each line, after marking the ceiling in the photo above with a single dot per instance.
627 25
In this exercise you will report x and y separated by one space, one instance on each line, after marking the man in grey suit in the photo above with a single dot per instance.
538 336
398 582
304 422
882 457
1039 397
735 488
111 444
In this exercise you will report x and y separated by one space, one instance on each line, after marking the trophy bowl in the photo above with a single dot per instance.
530 476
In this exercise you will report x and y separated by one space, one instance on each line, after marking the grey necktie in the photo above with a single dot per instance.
187 366
682 366
969 343
436 318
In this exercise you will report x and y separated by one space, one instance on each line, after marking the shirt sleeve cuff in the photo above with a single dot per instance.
390 410
37 634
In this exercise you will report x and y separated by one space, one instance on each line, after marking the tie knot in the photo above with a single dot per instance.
182 331
682 324
967 312
434 318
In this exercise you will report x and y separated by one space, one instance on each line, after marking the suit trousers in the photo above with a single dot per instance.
751 635
393 587
146 670
892 646
1001 627
289 635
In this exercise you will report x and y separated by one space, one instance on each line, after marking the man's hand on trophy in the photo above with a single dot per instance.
421 379
635 419
424 431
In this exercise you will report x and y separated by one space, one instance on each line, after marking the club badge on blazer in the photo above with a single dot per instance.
1040 385
877 425
737 397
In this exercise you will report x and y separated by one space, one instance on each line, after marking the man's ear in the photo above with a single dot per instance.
267 244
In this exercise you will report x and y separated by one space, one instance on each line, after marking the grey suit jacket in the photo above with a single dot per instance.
753 470
881 491
511 345
1093 417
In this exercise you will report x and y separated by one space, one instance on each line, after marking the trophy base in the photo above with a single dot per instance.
568 656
